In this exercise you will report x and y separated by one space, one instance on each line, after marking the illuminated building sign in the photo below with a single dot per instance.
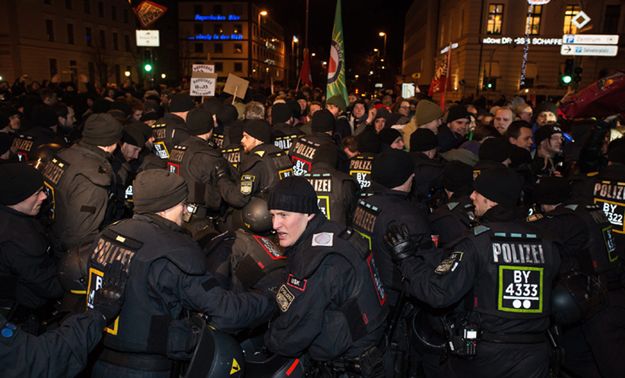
537 41
216 17
216 37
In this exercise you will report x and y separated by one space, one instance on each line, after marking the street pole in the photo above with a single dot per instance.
526 47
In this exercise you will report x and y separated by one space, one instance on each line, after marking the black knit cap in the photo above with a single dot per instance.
157 190
199 121
389 135
20 181
551 190
458 112
281 113
495 149
423 140
616 151
227 114
545 132
135 134
499 184
392 168
458 177
322 121
328 154
101 129
294 194
368 141
181 102
259 129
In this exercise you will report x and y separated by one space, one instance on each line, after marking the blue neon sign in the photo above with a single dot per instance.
216 37
216 17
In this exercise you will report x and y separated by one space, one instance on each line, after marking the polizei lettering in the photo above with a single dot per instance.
609 190
304 150
513 253
360 165
321 185
107 252
364 219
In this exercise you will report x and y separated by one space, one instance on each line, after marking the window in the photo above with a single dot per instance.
70 34
218 29
86 5
495 19
198 28
68 4
610 22
127 42
219 66
125 13
532 26
88 37
238 48
197 9
101 9
217 9
238 67
569 14
54 69
114 13
237 29
198 47
50 30
102 39
115 44
219 48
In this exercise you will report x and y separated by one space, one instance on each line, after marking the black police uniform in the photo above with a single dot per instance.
333 305
360 169
62 352
167 275
428 181
303 152
262 168
450 221
284 134
336 192
504 269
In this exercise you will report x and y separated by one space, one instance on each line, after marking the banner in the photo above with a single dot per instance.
305 76
336 63
441 73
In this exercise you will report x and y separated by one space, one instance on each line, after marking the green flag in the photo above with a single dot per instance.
336 63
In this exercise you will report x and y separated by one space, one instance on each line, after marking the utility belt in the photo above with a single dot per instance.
369 364
517 338
136 361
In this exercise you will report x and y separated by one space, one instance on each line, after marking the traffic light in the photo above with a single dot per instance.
566 78
490 83
147 67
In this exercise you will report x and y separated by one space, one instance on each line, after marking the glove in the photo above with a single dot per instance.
397 239
221 169
109 298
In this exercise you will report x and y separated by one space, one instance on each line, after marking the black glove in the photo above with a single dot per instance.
109 298
221 169
397 239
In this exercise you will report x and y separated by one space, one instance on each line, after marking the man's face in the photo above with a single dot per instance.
177 212
15 122
379 124
544 118
481 203
460 126
136 115
398 144
333 109
524 140
314 108
31 205
289 226
554 144
130 151
302 104
351 98
526 114
359 110
404 108
68 122
248 142
503 119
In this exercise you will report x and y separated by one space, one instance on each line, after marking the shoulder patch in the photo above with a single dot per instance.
572 207
323 239
296 283
247 184
260 153
449 264
284 298
480 229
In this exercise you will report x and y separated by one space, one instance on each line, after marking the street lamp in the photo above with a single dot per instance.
163 76
383 35
127 73
295 55
262 13
313 55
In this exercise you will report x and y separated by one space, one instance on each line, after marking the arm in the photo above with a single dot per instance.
86 209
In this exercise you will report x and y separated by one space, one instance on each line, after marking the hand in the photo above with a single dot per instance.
397 238
109 298
221 169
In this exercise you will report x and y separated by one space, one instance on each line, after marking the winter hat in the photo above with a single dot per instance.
322 121
551 190
458 112
101 129
135 134
495 149
458 177
546 107
338 101
281 113
20 182
181 102
545 132
388 136
616 151
259 129
392 168
368 141
499 184
294 194
328 154
423 140
157 190
227 114
426 112
199 121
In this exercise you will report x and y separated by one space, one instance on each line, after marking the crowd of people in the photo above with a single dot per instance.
366 237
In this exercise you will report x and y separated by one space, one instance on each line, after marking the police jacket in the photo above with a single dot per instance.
336 193
283 135
195 160
332 303
372 218
448 140
452 220
80 180
506 267
428 180
303 151
27 272
360 167
167 274
262 168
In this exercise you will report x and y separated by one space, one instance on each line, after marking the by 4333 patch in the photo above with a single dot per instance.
520 289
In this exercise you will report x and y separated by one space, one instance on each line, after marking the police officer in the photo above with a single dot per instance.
493 153
62 352
504 270
167 276
283 131
80 180
27 271
428 167
333 305
593 336
304 149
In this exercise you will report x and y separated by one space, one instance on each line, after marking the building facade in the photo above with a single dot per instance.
236 37
43 38
487 40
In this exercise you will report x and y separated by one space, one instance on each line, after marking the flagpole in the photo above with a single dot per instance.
306 24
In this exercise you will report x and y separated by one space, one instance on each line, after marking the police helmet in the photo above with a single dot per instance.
44 153
575 297
73 269
216 355
256 217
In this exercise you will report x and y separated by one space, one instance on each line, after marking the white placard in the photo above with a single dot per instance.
206 68
148 38
407 90
538 2
203 86
590 39
588 50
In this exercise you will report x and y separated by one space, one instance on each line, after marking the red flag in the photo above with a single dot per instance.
305 76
